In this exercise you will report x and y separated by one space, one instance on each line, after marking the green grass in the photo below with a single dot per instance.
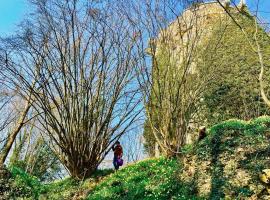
148 180
235 151
163 179
67 188
237 132
25 186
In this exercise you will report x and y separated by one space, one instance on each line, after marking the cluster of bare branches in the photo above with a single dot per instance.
74 62
171 81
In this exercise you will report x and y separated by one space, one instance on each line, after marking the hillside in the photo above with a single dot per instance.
228 162
148 179
225 165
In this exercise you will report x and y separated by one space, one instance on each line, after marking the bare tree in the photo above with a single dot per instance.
13 134
76 59
7 117
133 145
173 85
12 119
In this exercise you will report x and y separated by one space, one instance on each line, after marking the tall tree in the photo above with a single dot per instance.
202 69
79 55
13 134
12 121
173 82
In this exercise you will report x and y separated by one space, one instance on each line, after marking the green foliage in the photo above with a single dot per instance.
149 145
63 189
234 91
233 148
68 188
238 132
46 165
188 148
25 185
101 173
149 179
39 161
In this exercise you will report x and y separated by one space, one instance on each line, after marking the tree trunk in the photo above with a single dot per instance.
157 153
83 170
10 140
15 156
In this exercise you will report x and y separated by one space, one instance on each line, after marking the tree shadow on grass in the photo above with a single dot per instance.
217 173
254 162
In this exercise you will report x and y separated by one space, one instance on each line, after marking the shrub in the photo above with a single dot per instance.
25 185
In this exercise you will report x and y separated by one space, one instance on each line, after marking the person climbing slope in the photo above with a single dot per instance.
118 153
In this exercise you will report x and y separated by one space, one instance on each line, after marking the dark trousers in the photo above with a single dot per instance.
115 164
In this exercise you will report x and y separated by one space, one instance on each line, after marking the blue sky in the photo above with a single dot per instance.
12 12
264 8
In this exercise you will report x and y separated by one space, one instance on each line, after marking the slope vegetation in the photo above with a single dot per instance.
228 162
225 165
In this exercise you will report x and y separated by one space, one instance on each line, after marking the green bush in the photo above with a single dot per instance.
25 185
29 187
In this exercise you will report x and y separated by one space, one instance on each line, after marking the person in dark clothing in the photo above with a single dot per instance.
118 153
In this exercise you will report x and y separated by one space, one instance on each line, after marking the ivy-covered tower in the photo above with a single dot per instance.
204 71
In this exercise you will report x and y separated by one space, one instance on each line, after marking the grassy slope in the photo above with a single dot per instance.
226 164
149 179
24 186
